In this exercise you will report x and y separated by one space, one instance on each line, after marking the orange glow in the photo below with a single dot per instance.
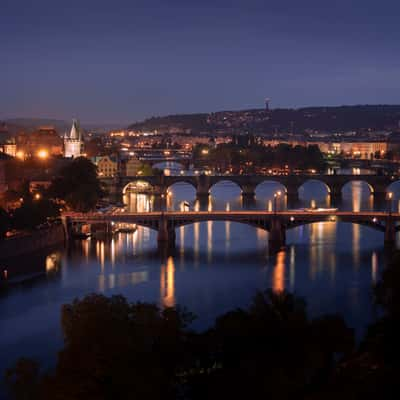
167 283
43 154
20 154
278 278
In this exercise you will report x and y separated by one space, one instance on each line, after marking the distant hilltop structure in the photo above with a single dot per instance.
267 101
73 142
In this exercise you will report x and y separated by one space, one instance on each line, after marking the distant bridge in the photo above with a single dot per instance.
276 223
155 156
378 185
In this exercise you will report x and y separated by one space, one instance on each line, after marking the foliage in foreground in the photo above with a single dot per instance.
114 349
77 184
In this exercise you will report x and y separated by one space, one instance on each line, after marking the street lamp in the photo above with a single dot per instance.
276 195
43 154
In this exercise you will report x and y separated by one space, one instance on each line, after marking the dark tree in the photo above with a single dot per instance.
114 349
117 350
22 380
78 185
33 213
5 223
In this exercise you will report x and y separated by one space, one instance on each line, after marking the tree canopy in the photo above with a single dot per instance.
114 349
77 184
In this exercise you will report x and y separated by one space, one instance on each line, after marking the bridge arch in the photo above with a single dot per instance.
215 186
375 225
359 184
394 188
268 187
187 190
320 188
139 185
255 224
182 181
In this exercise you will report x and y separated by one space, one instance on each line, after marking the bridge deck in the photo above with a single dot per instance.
229 214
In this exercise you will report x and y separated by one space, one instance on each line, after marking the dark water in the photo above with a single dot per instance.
216 266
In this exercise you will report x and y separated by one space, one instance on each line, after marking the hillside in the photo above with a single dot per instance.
329 119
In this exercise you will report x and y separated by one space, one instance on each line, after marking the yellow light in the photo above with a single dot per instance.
204 151
390 195
37 196
43 154
20 154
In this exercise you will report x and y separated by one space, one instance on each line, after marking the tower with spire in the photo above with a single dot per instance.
73 142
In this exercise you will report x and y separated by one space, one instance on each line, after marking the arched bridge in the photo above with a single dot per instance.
276 223
377 184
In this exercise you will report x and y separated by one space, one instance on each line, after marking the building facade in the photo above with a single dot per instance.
107 166
44 140
132 166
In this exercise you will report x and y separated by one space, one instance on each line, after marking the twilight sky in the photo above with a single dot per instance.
124 60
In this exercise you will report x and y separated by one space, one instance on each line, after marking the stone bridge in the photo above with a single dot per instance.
377 184
276 223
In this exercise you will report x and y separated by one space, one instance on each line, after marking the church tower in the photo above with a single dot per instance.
73 142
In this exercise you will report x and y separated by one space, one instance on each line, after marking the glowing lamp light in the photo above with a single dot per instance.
37 196
20 154
43 154
204 151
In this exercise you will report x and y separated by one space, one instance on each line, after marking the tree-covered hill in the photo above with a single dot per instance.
330 119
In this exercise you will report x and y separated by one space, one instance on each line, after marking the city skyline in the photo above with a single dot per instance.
127 61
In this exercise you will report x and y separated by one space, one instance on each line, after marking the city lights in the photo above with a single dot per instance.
20 155
43 154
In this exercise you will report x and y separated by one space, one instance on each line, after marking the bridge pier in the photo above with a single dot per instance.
248 191
248 202
292 199
166 235
203 202
203 186
335 193
248 195
67 225
202 194
160 202
390 233
380 200
277 236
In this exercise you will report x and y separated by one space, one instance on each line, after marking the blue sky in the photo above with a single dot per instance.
121 61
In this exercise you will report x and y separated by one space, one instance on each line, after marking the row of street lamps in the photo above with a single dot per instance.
278 194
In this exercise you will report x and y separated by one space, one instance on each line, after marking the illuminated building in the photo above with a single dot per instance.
44 139
107 166
3 181
132 166
9 147
73 142
363 149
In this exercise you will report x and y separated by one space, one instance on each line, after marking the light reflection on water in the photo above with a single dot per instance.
217 266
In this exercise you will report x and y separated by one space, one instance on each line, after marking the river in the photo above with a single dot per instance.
215 267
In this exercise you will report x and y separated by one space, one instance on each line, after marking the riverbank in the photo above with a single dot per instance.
33 242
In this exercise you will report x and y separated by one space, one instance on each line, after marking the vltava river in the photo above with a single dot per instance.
215 267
